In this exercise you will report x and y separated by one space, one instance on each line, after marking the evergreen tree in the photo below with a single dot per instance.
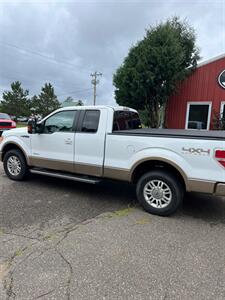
154 67
46 102
16 102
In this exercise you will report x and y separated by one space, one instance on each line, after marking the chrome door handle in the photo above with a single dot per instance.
68 141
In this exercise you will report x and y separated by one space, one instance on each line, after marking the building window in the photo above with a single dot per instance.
222 110
198 115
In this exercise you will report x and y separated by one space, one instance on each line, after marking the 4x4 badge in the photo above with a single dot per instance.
198 151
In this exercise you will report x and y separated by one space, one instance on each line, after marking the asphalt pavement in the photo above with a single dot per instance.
66 240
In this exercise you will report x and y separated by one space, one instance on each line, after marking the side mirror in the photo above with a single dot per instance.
31 126
39 127
34 127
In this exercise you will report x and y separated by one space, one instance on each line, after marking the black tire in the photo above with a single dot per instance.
23 165
175 192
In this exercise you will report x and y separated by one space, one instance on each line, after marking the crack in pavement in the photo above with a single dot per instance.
21 235
54 238
45 294
70 274
8 280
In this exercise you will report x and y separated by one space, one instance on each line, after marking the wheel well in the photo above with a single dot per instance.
9 147
150 165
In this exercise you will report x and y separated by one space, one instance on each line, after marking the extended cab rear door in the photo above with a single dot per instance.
90 142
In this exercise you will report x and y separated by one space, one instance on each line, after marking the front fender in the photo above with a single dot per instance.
17 143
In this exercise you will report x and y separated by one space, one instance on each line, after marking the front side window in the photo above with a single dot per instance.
60 122
198 116
90 121
125 120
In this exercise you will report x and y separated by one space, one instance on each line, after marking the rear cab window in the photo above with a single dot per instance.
126 120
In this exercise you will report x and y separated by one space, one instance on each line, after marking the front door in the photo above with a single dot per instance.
54 148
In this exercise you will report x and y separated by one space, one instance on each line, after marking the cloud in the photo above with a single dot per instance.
79 37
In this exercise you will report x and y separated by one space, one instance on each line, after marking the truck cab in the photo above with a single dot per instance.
73 139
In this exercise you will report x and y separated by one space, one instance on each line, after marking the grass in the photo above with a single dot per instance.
18 253
143 221
122 213
20 125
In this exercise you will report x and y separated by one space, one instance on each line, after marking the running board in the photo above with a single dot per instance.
65 176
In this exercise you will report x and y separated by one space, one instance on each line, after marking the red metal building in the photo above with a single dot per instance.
199 97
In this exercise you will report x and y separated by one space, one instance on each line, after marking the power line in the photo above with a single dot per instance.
55 84
38 54
74 92
95 81
23 79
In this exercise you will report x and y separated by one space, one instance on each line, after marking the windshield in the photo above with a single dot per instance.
4 116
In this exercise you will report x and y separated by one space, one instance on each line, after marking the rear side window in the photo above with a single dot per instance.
90 121
125 120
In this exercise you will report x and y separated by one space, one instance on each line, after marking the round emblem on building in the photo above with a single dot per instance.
221 79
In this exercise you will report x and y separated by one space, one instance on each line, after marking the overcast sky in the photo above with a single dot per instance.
62 42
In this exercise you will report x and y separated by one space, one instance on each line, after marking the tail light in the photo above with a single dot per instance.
220 157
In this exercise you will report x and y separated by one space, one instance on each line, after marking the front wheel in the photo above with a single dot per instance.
15 165
159 192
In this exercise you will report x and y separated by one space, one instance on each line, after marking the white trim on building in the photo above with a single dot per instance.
222 104
209 103
208 61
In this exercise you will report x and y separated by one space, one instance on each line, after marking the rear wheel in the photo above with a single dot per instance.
15 165
159 192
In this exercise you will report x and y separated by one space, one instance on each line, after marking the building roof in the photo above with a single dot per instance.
208 61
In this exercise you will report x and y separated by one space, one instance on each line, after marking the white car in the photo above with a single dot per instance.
22 119
90 143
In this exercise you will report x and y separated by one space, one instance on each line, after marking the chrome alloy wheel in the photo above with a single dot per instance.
14 165
157 193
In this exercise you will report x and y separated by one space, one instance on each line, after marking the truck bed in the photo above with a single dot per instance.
175 133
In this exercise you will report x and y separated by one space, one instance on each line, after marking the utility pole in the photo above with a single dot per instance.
95 81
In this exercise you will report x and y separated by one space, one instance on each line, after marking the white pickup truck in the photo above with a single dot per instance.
89 143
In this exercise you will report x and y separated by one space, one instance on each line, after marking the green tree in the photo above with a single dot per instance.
71 102
46 102
154 67
79 103
16 102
